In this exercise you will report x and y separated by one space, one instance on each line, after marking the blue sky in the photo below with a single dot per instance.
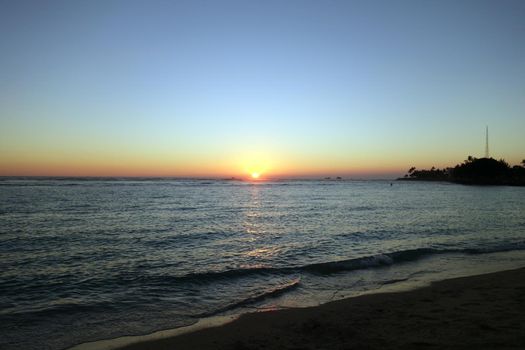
191 87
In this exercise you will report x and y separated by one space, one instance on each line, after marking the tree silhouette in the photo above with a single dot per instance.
474 171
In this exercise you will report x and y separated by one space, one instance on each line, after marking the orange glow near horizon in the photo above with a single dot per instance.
221 167
267 164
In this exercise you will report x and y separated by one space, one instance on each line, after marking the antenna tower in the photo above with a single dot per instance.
487 142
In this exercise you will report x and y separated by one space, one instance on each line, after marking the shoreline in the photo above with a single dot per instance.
480 311
121 342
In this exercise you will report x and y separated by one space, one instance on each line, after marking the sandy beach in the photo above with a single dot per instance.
485 311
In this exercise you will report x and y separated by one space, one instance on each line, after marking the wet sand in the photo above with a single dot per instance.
478 312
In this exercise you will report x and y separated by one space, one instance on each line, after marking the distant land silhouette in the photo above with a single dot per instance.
474 171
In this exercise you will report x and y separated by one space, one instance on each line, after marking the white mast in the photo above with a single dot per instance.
487 142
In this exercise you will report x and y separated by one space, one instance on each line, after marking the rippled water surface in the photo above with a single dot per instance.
86 260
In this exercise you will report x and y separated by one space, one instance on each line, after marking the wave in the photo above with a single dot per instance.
257 273
326 268
349 265
272 293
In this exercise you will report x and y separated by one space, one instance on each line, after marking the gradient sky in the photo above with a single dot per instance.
224 88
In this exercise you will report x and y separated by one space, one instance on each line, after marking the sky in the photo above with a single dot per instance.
282 88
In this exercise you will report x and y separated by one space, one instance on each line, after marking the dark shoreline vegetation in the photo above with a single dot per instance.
473 171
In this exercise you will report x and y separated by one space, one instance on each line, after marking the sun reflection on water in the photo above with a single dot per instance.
252 216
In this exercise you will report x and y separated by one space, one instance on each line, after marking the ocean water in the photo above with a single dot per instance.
83 260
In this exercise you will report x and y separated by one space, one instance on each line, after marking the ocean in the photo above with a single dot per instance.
88 259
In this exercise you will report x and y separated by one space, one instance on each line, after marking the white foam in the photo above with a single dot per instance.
116 343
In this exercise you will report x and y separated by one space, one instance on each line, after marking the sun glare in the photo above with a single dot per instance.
255 175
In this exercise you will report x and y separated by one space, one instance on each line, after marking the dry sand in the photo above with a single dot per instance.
479 312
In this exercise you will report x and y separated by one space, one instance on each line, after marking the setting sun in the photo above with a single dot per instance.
255 175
